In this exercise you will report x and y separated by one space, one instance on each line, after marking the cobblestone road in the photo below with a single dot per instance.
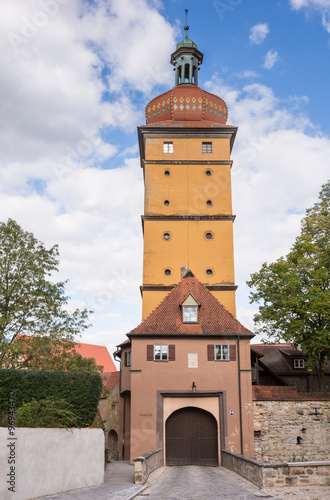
202 483
210 483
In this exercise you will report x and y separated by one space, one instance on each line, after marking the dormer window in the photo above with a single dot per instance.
190 314
299 363
190 310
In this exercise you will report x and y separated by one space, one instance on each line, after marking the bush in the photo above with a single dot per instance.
46 413
81 390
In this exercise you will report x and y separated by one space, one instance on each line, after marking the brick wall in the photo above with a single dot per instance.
292 431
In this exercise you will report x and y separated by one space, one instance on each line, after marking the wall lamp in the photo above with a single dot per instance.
193 387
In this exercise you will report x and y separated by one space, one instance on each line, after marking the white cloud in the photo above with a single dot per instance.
70 77
321 7
280 163
270 59
247 74
258 33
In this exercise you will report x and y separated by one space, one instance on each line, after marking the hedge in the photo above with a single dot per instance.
82 390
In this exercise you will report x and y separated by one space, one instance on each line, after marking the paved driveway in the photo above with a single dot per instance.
200 483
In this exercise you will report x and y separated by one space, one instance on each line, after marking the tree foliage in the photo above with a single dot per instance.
36 329
294 291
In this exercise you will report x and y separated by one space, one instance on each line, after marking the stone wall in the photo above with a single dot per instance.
110 418
292 431
275 475
40 462
146 464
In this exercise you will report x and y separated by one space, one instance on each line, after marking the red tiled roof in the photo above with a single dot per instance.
99 353
213 317
110 379
286 393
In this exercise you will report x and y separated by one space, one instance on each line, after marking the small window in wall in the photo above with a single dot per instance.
299 363
168 272
168 147
166 202
167 172
190 314
221 352
166 236
207 147
128 358
160 352
208 172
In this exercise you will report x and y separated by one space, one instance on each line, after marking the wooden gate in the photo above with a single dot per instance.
191 438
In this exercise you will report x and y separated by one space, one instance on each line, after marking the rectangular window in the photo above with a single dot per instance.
189 314
207 147
168 147
221 352
299 363
128 358
160 352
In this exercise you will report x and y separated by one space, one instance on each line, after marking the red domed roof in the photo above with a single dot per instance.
187 103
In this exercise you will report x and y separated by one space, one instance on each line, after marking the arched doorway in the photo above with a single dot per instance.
113 444
191 438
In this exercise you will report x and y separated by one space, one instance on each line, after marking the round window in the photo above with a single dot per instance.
166 236
167 172
208 172
166 202
209 272
209 203
167 272
208 236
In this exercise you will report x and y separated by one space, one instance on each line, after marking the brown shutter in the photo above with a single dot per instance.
150 352
125 359
232 353
171 352
210 352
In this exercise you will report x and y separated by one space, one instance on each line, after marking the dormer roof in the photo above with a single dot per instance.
213 317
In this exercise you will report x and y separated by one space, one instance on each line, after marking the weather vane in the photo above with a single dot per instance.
186 26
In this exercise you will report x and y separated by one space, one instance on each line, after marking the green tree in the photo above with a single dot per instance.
294 291
36 329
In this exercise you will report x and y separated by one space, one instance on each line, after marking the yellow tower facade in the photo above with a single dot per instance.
185 150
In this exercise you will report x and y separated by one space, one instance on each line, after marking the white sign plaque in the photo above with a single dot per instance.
193 360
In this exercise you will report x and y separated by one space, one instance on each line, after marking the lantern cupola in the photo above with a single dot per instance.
186 60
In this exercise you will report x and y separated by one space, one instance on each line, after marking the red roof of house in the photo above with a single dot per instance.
213 317
99 353
110 379
286 393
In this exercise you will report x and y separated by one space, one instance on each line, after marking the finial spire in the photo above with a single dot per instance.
186 26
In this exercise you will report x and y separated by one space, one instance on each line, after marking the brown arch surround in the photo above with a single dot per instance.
191 437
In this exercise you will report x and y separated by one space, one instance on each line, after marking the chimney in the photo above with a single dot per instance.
184 269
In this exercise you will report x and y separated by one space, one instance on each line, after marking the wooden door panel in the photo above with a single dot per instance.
191 438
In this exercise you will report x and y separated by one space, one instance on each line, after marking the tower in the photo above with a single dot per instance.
185 155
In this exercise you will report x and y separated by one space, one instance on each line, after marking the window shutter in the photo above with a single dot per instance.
171 352
150 352
125 359
232 353
210 352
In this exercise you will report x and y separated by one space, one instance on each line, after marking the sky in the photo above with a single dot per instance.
76 76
